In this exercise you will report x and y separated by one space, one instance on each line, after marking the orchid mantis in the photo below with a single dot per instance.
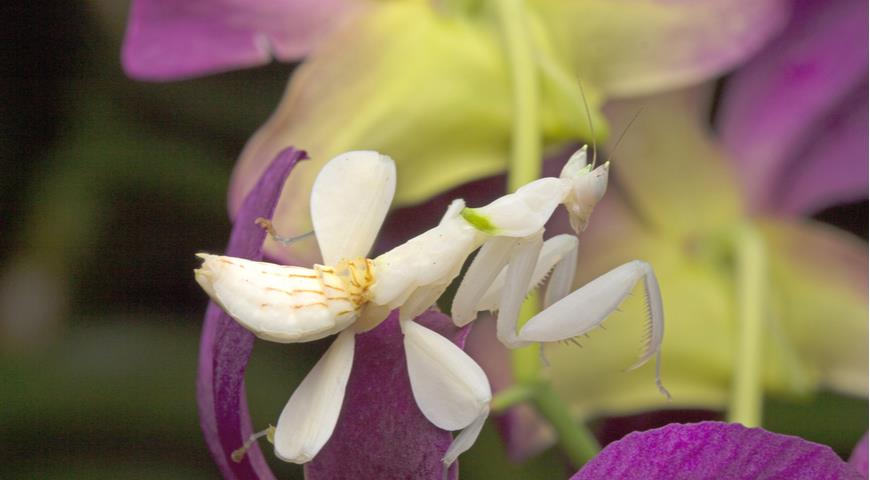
351 293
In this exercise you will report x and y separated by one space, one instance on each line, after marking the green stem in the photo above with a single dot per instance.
526 361
746 395
511 396
525 157
524 167
574 439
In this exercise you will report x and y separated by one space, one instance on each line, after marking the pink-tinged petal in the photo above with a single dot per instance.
833 167
717 450
225 346
858 459
174 39
777 107
638 47
381 432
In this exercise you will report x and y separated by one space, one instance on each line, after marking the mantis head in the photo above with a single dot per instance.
588 184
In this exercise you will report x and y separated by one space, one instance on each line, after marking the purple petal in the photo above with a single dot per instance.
715 450
858 459
833 167
173 39
611 429
776 107
381 432
225 346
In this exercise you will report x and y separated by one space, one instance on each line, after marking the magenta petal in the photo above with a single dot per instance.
172 39
381 432
858 459
225 346
833 167
715 450
777 106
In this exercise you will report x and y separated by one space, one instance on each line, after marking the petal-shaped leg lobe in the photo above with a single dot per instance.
308 419
519 274
450 388
558 255
349 201
479 278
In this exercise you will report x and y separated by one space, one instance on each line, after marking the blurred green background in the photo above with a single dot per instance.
109 187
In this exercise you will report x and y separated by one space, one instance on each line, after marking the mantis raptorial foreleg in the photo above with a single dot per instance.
566 315
586 308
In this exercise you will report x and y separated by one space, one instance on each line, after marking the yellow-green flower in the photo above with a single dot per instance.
432 84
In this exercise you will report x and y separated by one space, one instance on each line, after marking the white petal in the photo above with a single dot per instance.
308 419
465 439
560 252
488 263
349 201
519 274
523 212
277 303
450 388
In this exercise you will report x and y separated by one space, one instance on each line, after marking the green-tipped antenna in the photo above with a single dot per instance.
589 121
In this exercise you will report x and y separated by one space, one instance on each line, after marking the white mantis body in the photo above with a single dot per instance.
351 293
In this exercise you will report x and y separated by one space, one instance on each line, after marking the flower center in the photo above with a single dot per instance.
357 276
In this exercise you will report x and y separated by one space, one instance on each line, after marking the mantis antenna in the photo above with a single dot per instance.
621 135
589 121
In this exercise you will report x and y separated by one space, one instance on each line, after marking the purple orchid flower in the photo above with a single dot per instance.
795 117
858 459
380 431
171 39
716 450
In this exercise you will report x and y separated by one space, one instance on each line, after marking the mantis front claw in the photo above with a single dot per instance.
521 264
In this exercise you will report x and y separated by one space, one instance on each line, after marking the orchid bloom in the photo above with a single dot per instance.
408 70
353 294
293 304
378 390
717 450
